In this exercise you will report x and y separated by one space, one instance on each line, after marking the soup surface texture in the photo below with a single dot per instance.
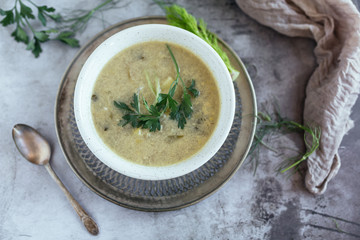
125 74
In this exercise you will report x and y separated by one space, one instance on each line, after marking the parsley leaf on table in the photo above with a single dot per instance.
8 19
67 37
42 13
65 27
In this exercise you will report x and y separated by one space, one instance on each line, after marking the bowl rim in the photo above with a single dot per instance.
103 152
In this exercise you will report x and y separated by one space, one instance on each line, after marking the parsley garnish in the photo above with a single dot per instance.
64 30
192 89
151 120
135 118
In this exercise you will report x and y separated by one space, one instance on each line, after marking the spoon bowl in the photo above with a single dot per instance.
34 148
31 144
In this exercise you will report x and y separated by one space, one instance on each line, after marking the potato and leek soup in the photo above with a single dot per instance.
155 104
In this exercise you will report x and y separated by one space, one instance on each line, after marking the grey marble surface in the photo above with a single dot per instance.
263 205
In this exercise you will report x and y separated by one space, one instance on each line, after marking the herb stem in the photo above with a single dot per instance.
265 144
29 25
89 13
20 19
294 164
268 125
179 112
101 5
173 58
15 5
32 3
176 67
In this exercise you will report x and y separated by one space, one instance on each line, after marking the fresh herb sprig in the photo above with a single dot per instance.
151 120
267 126
25 31
179 17
134 117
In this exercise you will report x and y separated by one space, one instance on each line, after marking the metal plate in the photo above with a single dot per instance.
160 195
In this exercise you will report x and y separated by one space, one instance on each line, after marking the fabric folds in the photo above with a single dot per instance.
335 84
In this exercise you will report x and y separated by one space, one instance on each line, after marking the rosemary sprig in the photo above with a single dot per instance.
179 17
151 120
64 30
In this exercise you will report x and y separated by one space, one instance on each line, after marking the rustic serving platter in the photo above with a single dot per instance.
161 195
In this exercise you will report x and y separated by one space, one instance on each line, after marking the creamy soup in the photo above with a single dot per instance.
125 74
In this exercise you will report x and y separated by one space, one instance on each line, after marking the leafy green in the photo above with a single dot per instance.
154 89
183 111
68 27
42 18
314 133
163 102
192 89
179 17
42 13
268 125
151 123
42 36
34 46
25 11
124 106
133 119
68 38
55 17
133 116
8 19
20 35
135 103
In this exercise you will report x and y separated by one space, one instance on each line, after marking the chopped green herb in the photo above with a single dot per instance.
192 89
151 120
124 106
183 111
135 118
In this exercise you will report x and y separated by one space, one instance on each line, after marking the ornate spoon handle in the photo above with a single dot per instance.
88 222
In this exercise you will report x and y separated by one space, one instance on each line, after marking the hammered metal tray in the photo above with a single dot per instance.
160 195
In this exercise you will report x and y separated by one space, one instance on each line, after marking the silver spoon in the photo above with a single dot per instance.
37 150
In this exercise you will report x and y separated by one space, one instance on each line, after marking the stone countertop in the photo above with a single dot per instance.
263 205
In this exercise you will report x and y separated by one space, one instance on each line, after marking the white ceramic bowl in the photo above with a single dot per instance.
122 40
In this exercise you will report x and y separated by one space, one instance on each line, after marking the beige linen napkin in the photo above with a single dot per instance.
333 88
